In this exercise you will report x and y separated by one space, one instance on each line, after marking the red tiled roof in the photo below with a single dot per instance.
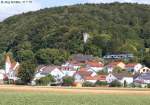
95 64
130 65
89 78
100 77
84 73
114 63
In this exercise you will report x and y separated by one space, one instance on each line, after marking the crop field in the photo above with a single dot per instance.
20 97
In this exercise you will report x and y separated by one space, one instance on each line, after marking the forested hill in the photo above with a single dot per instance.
112 27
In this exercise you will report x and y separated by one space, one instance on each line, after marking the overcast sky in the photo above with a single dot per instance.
7 10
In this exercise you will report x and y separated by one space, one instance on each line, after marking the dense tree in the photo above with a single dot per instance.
51 56
112 27
26 71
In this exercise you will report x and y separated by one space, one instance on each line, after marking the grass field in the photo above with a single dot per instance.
20 95
29 98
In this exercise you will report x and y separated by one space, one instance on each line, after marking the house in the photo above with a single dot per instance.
110 77
43 71
80 76
11 68
94 66
2 75
144 70
68 71
121 77
133 67
119 56
113 65
142 79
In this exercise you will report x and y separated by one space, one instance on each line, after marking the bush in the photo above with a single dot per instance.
101 83
148 85
45 80
132 85
115 83
19 82
88 84
68 81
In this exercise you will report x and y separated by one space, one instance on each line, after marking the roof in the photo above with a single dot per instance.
98 77
47 69
94 64
144 76
82 58
131 64
122 74
84 73
112 64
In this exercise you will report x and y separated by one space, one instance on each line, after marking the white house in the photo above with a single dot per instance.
133 67
2 75
94 66
113 65
144 70
121 77
43 71
110 77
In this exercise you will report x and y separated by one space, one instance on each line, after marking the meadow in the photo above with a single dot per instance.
52 98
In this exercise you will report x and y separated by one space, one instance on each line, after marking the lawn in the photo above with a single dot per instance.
32 98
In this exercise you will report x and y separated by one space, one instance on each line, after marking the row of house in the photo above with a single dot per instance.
86 68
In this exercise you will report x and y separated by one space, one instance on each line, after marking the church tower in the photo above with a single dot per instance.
7 64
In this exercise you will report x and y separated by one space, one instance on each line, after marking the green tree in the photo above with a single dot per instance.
68 81
25 55
45 80
26 71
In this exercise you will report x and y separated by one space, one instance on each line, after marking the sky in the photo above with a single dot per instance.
9 9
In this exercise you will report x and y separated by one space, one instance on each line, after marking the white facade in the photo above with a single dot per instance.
68 72
137 67
96 69
128 80
110 78
57 73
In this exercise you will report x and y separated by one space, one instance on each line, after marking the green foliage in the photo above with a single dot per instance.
101 83
112 27
146 60
88 84
51 56
117 70
45 80
26 71
25 55
148 85
115 83
68 81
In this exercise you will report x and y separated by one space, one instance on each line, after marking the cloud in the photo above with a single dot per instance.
7 10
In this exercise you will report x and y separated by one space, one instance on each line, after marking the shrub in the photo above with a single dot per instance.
115 83
19 82
101 83
88 84
68 81
45 80
148 85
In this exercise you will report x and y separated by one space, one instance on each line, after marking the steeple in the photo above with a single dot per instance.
7 64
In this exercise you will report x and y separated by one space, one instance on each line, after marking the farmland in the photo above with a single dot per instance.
68 96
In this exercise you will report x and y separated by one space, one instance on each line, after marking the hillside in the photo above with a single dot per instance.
112 27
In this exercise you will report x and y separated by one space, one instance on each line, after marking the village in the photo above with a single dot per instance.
86 71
